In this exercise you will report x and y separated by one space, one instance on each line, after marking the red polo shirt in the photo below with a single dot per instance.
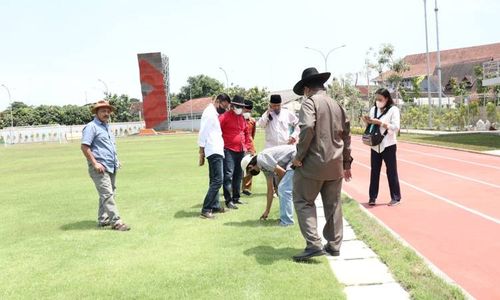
235 132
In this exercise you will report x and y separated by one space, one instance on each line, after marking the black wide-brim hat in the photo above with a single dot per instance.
238 101
310 75
248 104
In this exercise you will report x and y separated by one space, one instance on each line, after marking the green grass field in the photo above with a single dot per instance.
50 247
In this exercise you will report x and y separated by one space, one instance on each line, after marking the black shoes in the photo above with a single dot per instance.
307 254
207 215
394 203
371 202
231 205
246 192
238 201
328 249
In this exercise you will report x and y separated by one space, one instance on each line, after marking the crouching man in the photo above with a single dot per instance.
277 160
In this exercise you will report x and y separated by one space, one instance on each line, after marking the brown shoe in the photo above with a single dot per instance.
219 210
120 227
207 215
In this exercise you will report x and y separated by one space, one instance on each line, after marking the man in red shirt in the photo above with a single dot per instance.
237 141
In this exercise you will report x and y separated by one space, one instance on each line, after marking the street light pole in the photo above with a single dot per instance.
428 65
11 114
105 86
225 74
438 52
325 57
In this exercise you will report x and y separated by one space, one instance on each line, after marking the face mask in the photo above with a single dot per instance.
254 172
238 111
246 115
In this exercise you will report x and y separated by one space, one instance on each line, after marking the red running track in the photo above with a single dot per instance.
450 210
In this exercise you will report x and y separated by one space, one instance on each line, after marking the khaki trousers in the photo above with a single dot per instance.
305 191
105 185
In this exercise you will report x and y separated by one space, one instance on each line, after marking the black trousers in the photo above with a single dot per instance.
232 175
389 157
216 175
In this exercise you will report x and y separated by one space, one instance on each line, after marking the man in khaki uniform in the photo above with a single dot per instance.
323 159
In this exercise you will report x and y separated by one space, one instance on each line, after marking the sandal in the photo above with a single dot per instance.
120 227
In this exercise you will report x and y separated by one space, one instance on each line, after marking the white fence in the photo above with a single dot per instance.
58 133
186 125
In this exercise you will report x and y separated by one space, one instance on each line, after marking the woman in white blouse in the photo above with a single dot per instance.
386 150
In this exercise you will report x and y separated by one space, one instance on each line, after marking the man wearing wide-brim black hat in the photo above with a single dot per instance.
323 159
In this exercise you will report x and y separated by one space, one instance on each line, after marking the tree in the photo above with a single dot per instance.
259 99
123 105
385 61
47 114
256 95
199 86
75 115
348 96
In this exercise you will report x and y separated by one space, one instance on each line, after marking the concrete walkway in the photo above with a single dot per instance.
359 269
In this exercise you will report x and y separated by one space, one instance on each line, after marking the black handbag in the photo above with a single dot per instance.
372 135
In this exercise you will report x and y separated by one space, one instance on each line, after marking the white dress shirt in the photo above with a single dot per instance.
210 135
278 130
392 119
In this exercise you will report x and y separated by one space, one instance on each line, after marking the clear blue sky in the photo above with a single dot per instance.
54 52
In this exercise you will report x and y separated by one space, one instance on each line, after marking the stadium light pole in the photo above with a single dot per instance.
325 57
225 74
11 113
428 65
438 53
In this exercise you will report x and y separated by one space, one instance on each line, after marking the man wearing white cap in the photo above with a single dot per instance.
275 160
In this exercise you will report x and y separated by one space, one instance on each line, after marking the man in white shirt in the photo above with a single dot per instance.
212 147
281 125
281 128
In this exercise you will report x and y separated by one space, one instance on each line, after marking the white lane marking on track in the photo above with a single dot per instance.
445 172
472 211
450 158
450 173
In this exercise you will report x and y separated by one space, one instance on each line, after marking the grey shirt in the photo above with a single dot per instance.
283 156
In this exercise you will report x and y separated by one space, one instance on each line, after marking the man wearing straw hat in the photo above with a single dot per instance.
98 147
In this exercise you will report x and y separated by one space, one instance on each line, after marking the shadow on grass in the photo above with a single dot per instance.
197 206
254 223
267 255
186 214
80 225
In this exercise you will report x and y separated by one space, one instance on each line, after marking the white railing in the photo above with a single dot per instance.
60 133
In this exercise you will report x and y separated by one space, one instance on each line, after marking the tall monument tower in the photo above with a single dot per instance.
155 86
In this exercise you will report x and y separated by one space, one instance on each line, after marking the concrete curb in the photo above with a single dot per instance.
359 268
